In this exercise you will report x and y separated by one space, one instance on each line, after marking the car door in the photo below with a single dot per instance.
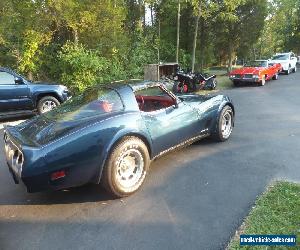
172 125
13 97
272 70
294 60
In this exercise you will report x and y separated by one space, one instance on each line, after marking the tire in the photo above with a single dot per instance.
288 71
224 124
126 167
294 69
275 77
46 104
263 81
236 83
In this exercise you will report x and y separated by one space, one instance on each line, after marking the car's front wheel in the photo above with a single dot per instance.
126 167
47 103
224 124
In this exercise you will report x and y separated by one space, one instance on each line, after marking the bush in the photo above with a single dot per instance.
81 67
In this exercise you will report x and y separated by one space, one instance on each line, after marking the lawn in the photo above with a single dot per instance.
277 211
223 81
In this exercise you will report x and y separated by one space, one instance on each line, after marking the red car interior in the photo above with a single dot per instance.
153 103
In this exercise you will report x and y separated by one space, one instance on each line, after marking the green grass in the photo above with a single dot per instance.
277 211
223 81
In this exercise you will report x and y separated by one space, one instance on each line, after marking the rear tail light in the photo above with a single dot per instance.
58 175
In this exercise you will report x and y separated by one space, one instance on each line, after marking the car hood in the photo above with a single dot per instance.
44 129
246 70
42 85
191 98
279 61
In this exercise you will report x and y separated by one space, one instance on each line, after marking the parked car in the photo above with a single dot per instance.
288 61
19 96
109 134
258 71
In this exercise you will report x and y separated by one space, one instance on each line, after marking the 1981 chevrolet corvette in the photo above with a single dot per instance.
110 134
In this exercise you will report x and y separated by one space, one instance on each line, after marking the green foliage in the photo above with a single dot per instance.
143 53
30 50
79 43
281 31
81 67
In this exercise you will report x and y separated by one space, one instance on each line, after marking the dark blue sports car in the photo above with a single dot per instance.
110 134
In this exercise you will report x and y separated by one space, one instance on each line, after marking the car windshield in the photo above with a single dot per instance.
281 57
94 101
257 64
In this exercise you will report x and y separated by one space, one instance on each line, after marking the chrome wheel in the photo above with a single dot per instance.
226 126
47 106
130 168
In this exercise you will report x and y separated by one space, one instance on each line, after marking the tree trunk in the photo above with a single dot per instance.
158 45
229 66
75 36
202 44
195 37
29 75
178 32
151 12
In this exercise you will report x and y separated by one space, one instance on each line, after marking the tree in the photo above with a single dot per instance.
196 34
178 32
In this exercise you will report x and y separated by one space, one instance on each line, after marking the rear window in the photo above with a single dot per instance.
92 102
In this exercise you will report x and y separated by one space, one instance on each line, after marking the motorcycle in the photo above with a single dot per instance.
192 82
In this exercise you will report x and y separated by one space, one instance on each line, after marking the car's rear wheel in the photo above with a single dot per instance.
224 124
275 77
126 167
47 103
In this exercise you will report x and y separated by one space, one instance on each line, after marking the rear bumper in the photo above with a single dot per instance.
39 183
34 179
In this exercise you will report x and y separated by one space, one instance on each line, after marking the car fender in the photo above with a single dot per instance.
42 90
226 102
142 134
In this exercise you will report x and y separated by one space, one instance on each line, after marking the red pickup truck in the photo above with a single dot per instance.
258 71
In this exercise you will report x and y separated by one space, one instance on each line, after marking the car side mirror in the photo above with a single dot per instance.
19 80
